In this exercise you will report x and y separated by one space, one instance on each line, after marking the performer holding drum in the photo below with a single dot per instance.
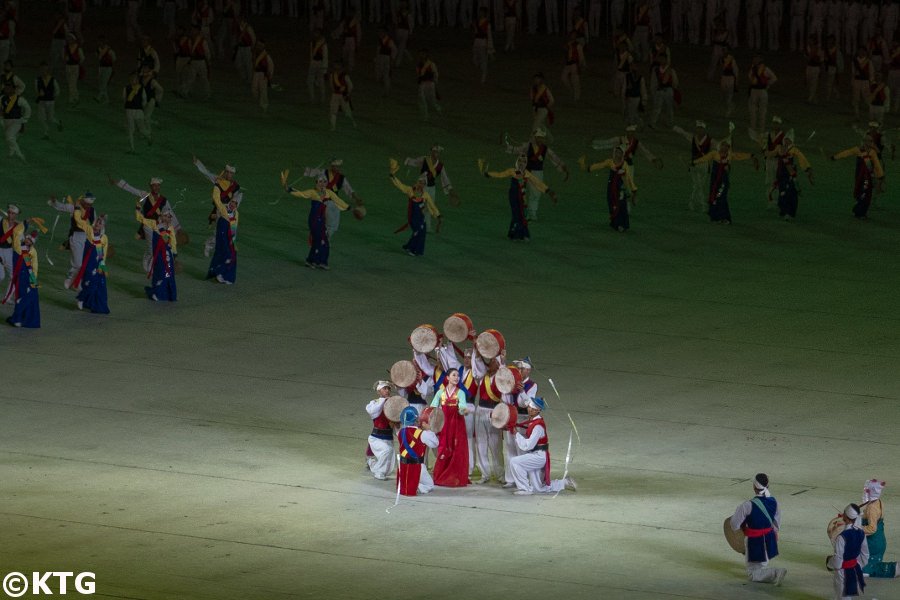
414 441
760 519
531 468
381 460
851 553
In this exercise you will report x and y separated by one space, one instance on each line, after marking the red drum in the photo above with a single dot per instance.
424 338
393 406
359 212
504 417
434 417
506 380
403 373
490 343
458 328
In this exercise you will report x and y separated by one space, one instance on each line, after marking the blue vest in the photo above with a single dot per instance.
854 583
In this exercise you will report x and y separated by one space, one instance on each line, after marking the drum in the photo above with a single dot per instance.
504 417
424 338
490 343
359 212
434 417
734 538
458 328
835 527
393 406
506 380
403 373
182 238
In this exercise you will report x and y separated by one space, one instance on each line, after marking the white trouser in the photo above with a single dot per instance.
382 464
196 69
426 483
470 436
6 268
76 246
699 176
12 128
134 119
762 572
104 75
332 219
243 60
534 195
315 80
665 101
511 450
72 72
428 98
487 444
528 473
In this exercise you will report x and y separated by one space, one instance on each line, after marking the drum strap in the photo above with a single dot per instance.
407 449
759 504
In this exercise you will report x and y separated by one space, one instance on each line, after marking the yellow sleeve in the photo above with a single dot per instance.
86 227
16 244
105 245
78 215
801 159
854 151
308 194
740 156
144 220
501 174
217 200
432 207
173 243
879 170
629 180
709 156
532 180
872 513
606 164
337 200
401 186
34 261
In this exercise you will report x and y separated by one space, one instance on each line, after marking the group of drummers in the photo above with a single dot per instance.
459 398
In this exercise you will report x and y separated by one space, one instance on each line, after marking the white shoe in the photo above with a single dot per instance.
570 483
380 478
80 305
522 493
779 577
480 481
67 283
508 485
154 298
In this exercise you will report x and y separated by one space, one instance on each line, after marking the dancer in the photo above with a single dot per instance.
531 468
16 112
873 526
134 96
541 103
10 230
381 462
91 278
418 201
165 250
153 203
337 183
225 188
571 73
319 240
520 178
432 167
537 151
263 71
630 144
452 466
700 146
341 88
620 188
318 67
73 56
24 285
414 443
720 179
761 79
483 47
106 57
790 162
223 266
869 174
82 220
851 554
760 518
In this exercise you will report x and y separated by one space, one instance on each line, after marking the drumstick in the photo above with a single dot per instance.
52 233
397 499
566 470
553 385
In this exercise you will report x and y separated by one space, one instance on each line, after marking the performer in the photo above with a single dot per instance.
381 461
73 56
75 12
774 15
862 79
720 179
728 80
319 240
814 59
106 57
666 94
873 526
263 71
541 103
634 95
403 26
770 147
337 183
350 30
869 174
135 97
225 188
414 442
452 466
165 250
198 67
761 79
8 75
620 188
483 47
385 55
148 56
834 64
10 229
879 98
701 144
432 167
341 88
243 54
631 145
449 355
427 77
790 162
418 201
531 468
720 45
153 203
59 34
851 554
511 10
82 213
571 73
153 91
622 62
536 151
91 278
760 518
798 22
223 265
27 309
16 113
318 67
520 178
641 38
